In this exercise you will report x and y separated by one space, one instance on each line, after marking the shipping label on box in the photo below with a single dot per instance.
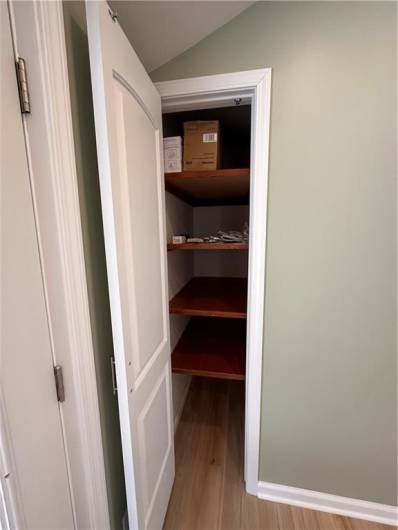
201 145
172 154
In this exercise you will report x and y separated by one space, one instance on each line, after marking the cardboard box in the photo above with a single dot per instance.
172 148
201 145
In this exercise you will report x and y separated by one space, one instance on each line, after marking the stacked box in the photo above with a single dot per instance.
201 145
172 147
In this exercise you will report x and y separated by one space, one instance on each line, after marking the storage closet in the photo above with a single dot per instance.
208 280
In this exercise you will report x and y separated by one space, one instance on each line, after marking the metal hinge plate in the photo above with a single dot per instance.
59 383
113 14
114 384
23 87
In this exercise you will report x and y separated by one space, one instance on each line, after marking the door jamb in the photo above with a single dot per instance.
253 86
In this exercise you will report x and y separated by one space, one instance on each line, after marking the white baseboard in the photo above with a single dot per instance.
325 502
177 417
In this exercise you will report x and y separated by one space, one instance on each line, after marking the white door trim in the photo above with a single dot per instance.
57 211
253 86
325 502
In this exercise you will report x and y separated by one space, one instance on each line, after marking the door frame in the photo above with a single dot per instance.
251 87
52 166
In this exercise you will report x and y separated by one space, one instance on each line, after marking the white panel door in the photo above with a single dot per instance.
128 126
33 467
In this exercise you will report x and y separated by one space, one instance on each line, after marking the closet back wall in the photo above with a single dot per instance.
329 380
208 220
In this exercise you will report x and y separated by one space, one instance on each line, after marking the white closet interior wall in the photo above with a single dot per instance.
179 220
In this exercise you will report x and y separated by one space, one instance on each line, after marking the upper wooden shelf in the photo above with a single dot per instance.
212 347
208 246
206 188
213 297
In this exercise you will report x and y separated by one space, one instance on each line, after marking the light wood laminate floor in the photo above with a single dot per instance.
208 492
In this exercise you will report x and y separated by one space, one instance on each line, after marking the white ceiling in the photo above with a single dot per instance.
159 31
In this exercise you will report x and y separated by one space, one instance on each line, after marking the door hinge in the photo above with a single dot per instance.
59 383
23 87
113 14
114 384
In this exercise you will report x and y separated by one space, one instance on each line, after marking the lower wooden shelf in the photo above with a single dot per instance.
212 348
212 297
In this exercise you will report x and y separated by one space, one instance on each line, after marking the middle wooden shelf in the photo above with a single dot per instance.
207 246
215 187
212 296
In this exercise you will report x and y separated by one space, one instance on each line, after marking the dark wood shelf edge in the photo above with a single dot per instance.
233 172
207 373
203 188
212 297
208 313
207 246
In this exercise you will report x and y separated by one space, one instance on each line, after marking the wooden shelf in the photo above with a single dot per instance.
212 347
208 246
213 297
205 188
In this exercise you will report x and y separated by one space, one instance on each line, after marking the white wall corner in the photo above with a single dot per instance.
325 502
178 414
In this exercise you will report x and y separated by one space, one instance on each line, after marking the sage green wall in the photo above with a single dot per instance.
94 251
329 378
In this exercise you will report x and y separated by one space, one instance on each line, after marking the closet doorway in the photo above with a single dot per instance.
233 310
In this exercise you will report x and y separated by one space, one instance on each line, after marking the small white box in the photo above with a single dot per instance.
179 240
172 154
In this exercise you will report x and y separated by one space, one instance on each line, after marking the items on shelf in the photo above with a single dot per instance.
208 246
172 147
179 240
201 145
230 236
